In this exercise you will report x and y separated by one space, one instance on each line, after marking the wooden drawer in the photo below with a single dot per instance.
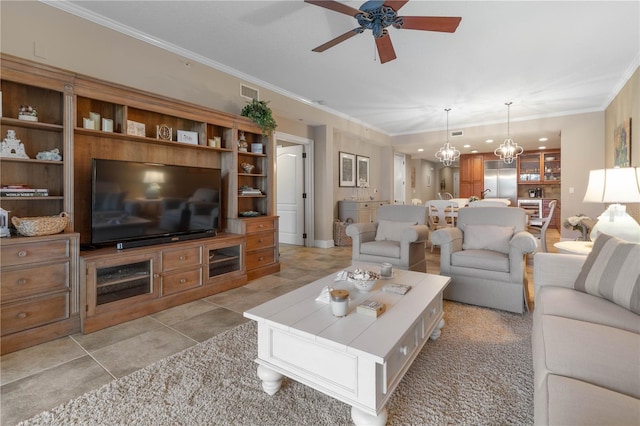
35 312
260 258
20 254
23 282
178 259
259 225
260 241
180 281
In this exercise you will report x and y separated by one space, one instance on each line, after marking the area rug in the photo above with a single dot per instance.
478 372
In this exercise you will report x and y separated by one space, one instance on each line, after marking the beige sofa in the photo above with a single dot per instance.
586 349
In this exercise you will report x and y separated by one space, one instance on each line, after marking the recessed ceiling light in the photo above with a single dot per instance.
473 151
489 141
420 149
543 139
466 146
542 147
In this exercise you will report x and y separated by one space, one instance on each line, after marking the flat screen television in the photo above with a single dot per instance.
135 203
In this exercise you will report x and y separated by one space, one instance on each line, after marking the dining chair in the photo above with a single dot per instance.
538 226
441 214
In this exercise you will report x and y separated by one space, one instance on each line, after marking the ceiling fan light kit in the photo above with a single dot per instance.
509 150
377 16
448 154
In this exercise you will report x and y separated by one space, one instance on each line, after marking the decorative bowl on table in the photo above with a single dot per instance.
363 280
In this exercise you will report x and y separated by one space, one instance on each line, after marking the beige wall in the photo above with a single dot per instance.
625 105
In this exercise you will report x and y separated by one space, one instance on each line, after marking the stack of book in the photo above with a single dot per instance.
371 308
20 191
247 190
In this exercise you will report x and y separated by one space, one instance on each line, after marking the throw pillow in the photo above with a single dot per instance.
487 237
612 271
391 231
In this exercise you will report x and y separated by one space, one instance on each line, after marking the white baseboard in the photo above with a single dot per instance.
323 243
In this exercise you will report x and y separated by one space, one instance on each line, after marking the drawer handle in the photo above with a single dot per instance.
182 258
260 240
156 275
404 350
22 315
22 253
261 226
183 280
22 281
261 258
433 312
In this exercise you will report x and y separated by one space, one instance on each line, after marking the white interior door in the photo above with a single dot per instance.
289 201
399 176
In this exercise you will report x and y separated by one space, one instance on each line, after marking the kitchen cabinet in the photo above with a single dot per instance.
539 167
471 175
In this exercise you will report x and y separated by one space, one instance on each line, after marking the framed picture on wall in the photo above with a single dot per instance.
363 171
622 144
347 169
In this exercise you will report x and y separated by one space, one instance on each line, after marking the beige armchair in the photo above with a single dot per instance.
398 237
485 256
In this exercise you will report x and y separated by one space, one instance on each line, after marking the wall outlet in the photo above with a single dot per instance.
375 191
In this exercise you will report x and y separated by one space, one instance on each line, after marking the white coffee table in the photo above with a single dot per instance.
356 359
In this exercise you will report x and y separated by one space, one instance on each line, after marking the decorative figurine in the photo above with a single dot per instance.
242 143
4 223
53 155
12 147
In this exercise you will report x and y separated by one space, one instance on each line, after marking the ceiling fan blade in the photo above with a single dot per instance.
431 23
339 39
335 6
385 48
395 4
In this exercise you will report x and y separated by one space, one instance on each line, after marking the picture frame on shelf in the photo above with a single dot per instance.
135 128
347 171
185 136
362 171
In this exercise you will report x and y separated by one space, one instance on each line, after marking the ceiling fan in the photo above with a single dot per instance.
376 16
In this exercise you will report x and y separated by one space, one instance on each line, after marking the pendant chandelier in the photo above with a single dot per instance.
508 150
447 154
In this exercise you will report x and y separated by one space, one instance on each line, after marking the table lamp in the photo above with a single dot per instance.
617 185
153 178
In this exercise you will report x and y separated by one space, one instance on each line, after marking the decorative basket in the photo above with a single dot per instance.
43 225
340 237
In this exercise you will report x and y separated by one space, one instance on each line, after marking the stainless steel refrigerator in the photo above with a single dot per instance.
501 180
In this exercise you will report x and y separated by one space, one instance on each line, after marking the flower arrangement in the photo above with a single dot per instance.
577 224
27 110
260 113
473 198
27 113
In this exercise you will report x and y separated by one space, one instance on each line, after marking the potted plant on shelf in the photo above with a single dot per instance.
260 113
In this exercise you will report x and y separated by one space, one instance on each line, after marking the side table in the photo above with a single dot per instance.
574 247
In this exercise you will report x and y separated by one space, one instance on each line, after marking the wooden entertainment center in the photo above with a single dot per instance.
87 289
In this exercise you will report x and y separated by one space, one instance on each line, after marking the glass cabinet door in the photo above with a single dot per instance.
224 260
551 167
119 282
529 168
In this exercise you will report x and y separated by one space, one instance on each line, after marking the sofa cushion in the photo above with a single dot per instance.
568 303
487 237
381 248
573 402
391 231
481 259
593 353
612 271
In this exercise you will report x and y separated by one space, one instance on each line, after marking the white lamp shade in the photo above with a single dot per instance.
153 177
613 186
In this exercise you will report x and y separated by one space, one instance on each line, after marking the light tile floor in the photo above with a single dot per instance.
41 377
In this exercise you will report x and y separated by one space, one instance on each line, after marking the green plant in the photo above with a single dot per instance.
260 113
